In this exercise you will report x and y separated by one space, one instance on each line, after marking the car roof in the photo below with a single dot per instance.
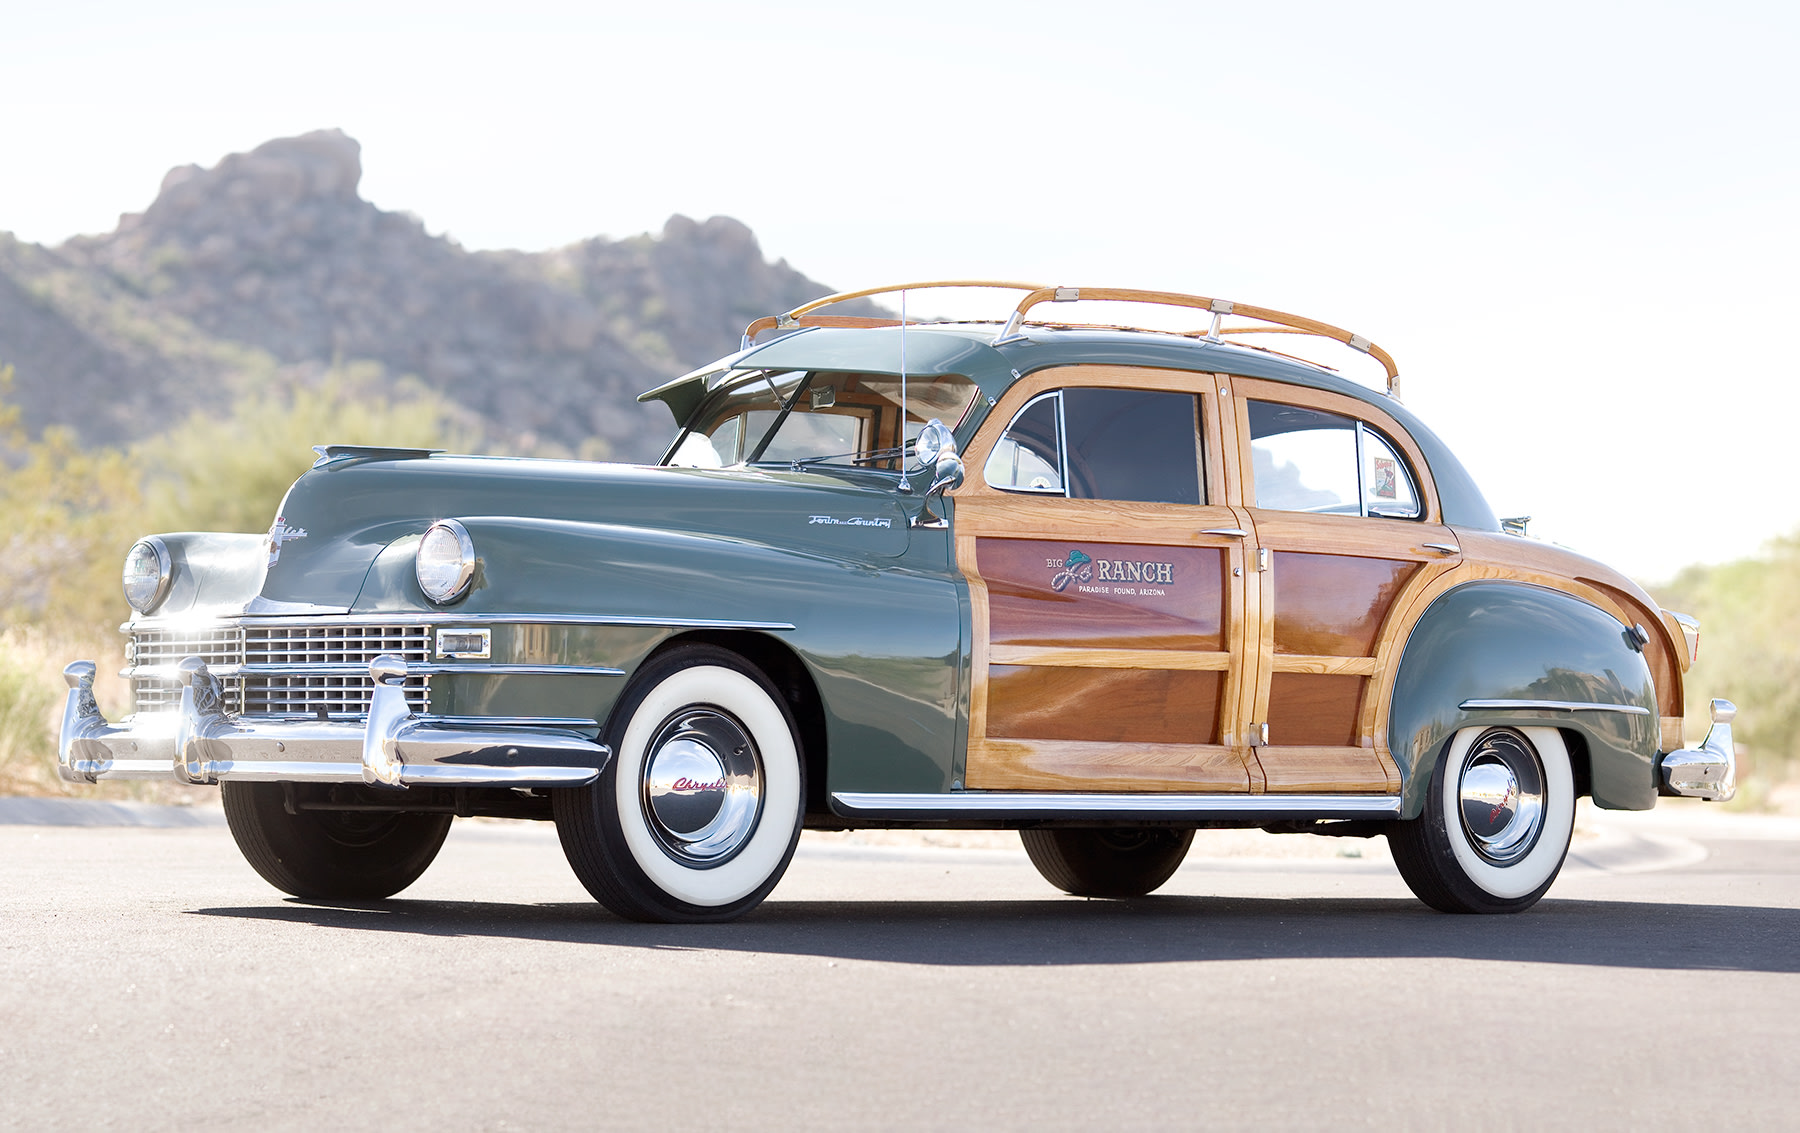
969 349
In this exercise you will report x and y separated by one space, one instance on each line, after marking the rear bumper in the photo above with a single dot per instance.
391 747
1708 771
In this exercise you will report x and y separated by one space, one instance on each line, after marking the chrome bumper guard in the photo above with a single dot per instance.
1710 770
393 747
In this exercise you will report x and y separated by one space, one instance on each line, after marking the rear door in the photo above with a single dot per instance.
1346 533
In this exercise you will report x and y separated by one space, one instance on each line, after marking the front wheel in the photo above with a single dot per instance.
1496 823
1108 862
698 812
330 855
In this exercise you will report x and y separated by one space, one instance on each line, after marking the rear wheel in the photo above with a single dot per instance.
1496 823
1109 862
324 855
698 812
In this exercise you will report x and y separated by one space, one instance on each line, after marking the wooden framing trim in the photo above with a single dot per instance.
1071 765
1322 665
1093 376
1306 770
1245 390
1075 658
1673 732
1381 690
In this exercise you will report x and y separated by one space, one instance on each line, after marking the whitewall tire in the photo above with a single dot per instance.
1496 824
699 810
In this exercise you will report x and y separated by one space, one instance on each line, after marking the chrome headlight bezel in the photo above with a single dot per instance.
144 592
443 579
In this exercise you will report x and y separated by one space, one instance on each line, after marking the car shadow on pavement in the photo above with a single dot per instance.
1156 930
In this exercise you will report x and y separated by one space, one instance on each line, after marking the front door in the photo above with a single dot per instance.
1108 588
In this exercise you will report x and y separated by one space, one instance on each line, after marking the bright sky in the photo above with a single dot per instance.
1574 225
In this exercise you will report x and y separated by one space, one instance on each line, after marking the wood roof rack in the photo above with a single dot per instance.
1262 320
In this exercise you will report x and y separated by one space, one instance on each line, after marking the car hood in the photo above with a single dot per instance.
342 514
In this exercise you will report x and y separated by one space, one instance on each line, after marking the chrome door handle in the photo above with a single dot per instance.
1444 548
1233 532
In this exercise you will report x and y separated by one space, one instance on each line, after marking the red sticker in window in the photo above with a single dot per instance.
1387 479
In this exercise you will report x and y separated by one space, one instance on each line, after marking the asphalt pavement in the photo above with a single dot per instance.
151 980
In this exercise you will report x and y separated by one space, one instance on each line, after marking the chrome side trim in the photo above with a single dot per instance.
1555 706
357 669
576 722
451 619
1034 804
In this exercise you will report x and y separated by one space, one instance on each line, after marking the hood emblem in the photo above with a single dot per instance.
279 533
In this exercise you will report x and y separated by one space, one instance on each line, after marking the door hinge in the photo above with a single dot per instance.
1259 735
1262 558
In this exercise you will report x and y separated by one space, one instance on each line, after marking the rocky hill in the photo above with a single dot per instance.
270 267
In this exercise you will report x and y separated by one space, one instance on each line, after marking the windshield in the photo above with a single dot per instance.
817 417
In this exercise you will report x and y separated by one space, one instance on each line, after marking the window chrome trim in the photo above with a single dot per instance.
1554 706
1062 451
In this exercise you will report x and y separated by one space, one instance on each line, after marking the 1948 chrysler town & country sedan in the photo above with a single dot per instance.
1105 586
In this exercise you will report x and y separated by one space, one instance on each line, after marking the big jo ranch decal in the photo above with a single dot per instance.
1104 595
1128 577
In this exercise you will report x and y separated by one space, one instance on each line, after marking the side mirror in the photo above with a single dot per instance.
946 474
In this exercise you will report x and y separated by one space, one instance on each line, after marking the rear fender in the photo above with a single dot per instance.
1520 645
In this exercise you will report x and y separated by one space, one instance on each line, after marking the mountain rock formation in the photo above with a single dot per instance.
270 266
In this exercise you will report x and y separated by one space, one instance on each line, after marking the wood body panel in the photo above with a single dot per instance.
1309 646
1333 604
1122 706
1313 709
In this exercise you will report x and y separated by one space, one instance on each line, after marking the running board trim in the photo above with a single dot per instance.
1033 804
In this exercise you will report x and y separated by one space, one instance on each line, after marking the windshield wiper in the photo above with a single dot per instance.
874 457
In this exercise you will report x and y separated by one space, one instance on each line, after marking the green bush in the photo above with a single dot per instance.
1749 613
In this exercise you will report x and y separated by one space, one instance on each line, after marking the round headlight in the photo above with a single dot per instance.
146 574
445 562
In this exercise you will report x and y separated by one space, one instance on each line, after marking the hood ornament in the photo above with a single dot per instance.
279 533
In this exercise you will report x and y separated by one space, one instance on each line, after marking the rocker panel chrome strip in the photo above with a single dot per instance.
1019 804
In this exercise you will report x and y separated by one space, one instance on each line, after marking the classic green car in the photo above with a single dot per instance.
1105 586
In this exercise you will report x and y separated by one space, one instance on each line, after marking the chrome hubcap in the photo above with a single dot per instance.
1500 796
702 787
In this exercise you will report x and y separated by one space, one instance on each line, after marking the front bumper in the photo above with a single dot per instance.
1708 771
393 747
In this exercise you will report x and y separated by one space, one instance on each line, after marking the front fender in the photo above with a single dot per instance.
1514 642
882 641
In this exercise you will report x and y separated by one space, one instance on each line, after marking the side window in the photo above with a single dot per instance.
1029 455
1310 460
1387 489
1102 444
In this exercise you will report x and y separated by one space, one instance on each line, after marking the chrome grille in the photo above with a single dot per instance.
328 648
335 694
216 645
